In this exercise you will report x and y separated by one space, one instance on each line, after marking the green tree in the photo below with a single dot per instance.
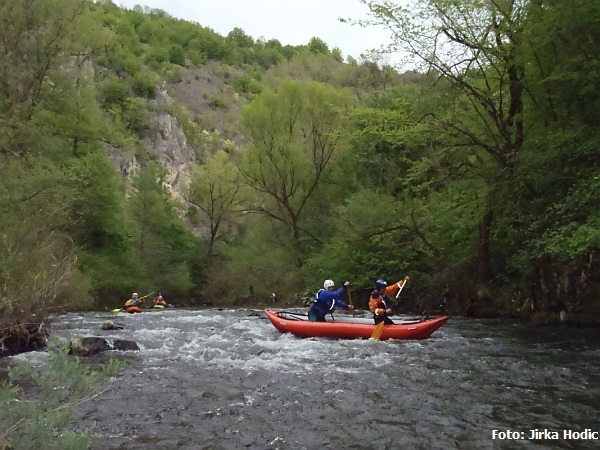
215 191
210 44
317 45
38 41
476 48
163 243
39 261
48 119
252 264
297 136
558 169
337 54
105 253
239 38
177 55
372 232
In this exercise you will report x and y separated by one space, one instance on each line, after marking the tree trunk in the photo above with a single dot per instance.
484 271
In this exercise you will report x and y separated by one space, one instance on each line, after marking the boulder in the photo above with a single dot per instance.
23 338
108 325
88 346
126 346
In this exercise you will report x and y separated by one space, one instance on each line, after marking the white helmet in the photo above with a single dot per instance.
328 284
134 294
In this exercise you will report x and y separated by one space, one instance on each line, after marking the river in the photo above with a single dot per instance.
227 379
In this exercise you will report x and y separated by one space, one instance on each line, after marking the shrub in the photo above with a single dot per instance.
176 55
143 86
40 419
113 93
216 102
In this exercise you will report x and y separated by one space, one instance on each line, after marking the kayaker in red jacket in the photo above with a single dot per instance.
379 305
327 300
160 301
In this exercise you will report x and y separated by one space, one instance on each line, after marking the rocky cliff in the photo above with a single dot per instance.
207 98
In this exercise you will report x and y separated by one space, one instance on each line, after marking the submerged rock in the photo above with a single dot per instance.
126 346
108 325
88 346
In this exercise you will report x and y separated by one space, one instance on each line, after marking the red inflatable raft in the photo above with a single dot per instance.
348 327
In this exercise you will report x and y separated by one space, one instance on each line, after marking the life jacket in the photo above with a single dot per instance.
329 304
132 302
377 300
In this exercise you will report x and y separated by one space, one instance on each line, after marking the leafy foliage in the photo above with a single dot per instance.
296 139
41 421
163 244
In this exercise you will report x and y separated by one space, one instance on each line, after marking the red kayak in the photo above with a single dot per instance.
348 327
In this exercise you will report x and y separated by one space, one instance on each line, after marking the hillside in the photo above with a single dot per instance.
246 167
208 93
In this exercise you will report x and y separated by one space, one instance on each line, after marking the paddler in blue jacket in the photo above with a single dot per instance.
327 300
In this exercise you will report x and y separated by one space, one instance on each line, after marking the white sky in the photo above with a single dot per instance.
292 22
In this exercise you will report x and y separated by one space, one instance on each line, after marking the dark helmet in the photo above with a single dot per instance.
380 284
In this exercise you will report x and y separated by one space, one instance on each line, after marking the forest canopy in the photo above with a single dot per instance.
143 152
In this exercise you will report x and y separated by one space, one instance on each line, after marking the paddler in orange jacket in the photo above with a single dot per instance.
160 301
379 305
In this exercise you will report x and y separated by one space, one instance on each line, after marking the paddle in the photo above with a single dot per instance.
378 331
350 302
379 328
147 295
406 278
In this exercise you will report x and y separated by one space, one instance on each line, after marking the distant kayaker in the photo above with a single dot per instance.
134 304
379 305
160 301
326 300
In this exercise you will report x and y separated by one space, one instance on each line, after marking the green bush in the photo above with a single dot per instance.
135 116
176 55
113 93
143 86
216 102
242 84
156 56
40 419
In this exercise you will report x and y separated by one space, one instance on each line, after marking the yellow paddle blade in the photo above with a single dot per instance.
378 330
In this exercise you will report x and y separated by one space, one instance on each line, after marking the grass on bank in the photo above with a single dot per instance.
37 404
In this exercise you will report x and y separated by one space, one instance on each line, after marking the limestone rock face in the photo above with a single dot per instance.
195 91
167 146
